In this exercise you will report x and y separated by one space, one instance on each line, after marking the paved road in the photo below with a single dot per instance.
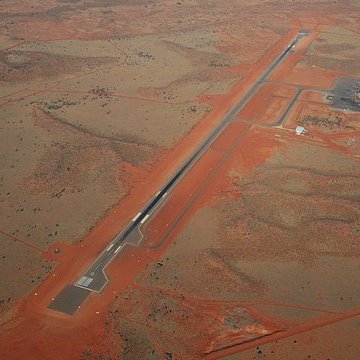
94 279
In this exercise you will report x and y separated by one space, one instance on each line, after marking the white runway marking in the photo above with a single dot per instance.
136 217
144 219
111 245
117 250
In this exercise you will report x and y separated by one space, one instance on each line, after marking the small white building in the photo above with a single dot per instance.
300 130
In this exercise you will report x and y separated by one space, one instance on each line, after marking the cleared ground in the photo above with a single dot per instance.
100 101
87 114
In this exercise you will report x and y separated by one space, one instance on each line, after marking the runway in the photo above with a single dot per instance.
94 279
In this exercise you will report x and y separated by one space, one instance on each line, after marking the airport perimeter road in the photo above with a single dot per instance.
94 279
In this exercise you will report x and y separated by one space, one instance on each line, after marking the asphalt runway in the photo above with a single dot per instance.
94 278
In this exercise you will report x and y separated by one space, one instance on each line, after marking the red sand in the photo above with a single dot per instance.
32 313
268 104
56 336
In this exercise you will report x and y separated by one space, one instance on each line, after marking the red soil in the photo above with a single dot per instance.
268 104
308 77
52 333
32 313
313 96
291 72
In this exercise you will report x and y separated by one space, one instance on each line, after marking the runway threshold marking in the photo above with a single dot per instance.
84 281
144 219
136 217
